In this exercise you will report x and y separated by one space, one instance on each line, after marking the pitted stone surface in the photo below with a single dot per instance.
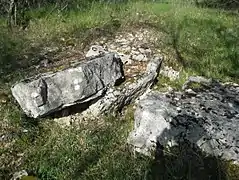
208 119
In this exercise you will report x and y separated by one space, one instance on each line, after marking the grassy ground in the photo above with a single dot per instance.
199 41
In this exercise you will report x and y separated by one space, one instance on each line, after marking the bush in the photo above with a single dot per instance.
225 4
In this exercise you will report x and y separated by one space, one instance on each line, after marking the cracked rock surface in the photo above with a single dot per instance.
116 98
206 117
82 83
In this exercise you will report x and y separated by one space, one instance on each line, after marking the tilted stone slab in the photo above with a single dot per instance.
116 99
51 92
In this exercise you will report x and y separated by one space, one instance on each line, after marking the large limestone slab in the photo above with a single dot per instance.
116 98
207 118
51 92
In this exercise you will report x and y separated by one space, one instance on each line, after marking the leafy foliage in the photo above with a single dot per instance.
225 4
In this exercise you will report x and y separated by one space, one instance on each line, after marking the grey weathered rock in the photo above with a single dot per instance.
209 120
19 175
169 72
116 98
139 57
125 58
96 50
196 79
53 91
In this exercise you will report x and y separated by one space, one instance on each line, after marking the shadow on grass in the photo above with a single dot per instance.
16 56
88 35
99 153
18 59
218 4
185 160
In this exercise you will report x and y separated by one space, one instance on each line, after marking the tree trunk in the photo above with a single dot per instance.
11 13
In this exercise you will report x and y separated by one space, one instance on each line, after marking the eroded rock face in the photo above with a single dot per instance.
206 117
132 69
116 98
54 91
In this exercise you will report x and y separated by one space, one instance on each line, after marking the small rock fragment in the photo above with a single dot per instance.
95 50
139 57
170 73
19 175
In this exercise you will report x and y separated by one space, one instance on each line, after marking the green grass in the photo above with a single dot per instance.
198 41
91 150
20 49
98 150
205 41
